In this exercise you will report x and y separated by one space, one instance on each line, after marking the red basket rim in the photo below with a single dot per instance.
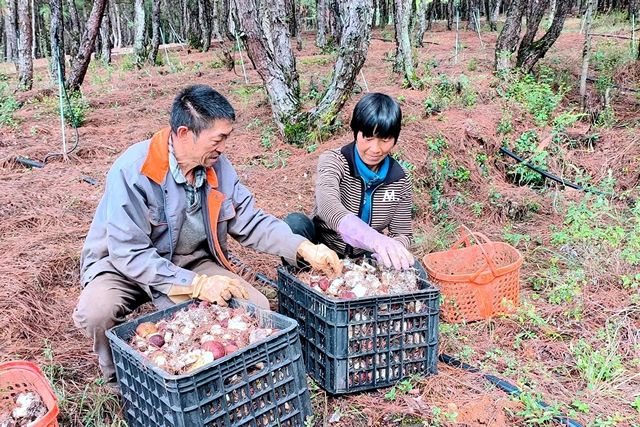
49 399
460 278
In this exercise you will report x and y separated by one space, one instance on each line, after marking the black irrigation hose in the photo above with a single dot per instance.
549 175
504 386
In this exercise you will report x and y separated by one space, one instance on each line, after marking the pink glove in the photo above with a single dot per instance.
359 234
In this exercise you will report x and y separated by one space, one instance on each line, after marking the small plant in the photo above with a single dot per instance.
403 387
481 160
526 146
472 65
533 412
8 105
505 125
75 111
278 159
127 63
536 95
266 138
445 93
477 208
597 366
436 145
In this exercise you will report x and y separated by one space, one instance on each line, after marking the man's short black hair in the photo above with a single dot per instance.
197 106
377 114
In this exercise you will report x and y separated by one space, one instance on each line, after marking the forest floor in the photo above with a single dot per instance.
574 341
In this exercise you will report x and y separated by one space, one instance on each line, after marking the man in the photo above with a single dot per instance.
160 230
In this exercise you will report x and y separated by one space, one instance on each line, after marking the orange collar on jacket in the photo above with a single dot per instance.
156 164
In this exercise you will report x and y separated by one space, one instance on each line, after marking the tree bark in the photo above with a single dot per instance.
352 55
375 13
474 16
404 57
585 54
139 25
266 38
10 28
494 11
80 63
75 27
509 37
450 13
422 22
530 53
335 20
384 13
105 35
204 18
57 40
115 23
25 60
155 32
321 19
267 41
535 13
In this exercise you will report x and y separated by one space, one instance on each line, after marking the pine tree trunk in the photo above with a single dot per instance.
473 16
204 19
321 19
352 55
530 53
25 60
297 25
10 29
80 63
585 54
115 20
509 37
422 22
75 27
375 13
535 13
335 20
155 32
139 24
431 11
57 40
494 12
450 13
266 38
185 19
552 10
384 13
105 35
404 58
225 14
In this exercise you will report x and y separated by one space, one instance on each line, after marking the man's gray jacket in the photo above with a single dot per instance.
137 223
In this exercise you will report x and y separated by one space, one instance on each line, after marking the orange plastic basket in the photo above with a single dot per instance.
476 281
21 376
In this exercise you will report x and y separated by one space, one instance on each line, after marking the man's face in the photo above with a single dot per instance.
204 149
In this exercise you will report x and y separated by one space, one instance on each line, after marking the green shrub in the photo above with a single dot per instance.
8 105
536 95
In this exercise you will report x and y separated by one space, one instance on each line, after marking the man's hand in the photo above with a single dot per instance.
321 258
214 289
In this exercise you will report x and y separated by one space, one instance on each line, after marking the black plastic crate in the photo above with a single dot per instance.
366 343
263 384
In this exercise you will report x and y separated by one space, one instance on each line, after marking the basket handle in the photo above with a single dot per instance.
487 257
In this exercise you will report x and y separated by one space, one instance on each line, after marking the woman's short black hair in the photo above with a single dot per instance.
197 106
377 114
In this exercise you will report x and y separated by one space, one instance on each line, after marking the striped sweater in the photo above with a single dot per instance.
340 191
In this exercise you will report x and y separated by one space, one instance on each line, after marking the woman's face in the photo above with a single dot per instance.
372 149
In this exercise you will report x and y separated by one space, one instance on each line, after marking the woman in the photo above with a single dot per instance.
361 191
